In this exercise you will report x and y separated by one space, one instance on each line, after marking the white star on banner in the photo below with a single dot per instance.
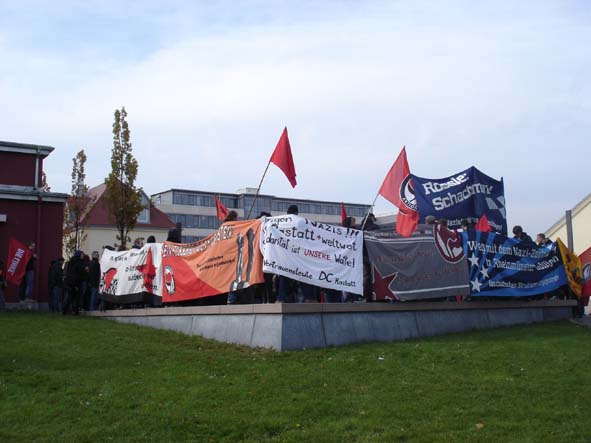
473 261
484 273
476 285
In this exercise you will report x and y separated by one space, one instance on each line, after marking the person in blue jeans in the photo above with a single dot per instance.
26 288
57 284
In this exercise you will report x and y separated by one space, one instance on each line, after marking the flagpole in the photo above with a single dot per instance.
370 209
216 210
258 189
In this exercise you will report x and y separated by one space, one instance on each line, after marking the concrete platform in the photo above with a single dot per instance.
285 327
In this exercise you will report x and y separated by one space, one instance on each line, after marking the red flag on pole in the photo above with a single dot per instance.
283 159
406 224
391 187
343 213
397 189
221 209
483 224
18 257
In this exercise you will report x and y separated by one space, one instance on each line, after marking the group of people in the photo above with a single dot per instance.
74 285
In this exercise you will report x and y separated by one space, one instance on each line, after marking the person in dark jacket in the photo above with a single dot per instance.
75 275
94 278
57 284
519 234
369 224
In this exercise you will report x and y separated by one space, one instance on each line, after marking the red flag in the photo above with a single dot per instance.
148 271
283 159
397 189
343 214
391 187
406 224
18 257
221 209
483 224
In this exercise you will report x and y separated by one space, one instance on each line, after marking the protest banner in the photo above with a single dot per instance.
422 267
466 195
227 260
572 268
502 266
18 257
132 276
316 253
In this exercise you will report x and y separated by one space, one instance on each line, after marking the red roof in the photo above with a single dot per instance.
99 214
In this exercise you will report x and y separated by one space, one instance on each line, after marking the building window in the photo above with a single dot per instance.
195 221
190 238
144 216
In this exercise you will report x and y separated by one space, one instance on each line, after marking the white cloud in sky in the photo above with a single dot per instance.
209 87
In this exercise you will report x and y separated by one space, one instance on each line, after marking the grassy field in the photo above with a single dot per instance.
70 379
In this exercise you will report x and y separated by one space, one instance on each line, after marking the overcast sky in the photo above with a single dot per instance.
209 86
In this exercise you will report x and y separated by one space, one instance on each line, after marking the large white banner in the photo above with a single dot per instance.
129 273
316 253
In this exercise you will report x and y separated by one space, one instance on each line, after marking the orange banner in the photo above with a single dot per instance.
225 261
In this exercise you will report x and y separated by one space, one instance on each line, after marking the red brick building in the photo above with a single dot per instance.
27 213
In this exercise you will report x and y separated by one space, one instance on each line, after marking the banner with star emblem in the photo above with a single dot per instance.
320 254
466 195
502 266
227 260
425 266
132 276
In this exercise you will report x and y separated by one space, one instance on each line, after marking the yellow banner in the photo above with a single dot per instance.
572 268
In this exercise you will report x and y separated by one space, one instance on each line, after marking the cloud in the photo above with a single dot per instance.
458 85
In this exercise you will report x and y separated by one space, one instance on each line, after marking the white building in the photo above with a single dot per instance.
581 220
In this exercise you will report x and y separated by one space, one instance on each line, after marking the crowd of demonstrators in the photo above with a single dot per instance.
75 285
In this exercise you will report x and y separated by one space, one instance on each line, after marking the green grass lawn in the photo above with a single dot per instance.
70 379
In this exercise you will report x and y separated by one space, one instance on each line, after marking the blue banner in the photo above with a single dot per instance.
502 266
466 195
